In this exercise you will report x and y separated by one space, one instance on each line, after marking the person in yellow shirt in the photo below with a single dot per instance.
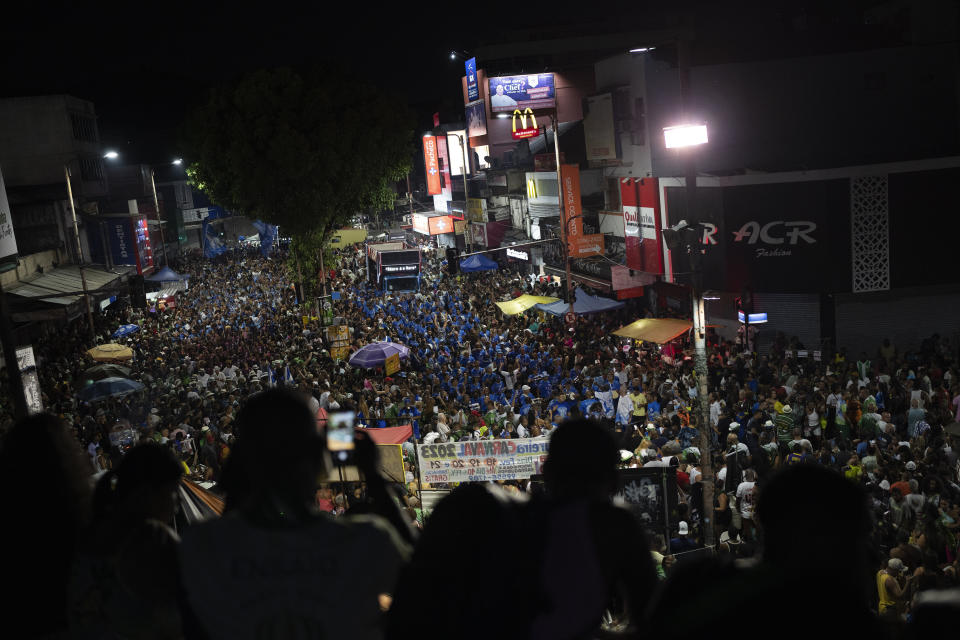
639 404
890 594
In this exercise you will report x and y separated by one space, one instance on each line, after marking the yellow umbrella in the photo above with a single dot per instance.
111 352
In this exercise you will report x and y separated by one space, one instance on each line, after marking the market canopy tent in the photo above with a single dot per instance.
167 275
584 304
524 302
477 262
659 330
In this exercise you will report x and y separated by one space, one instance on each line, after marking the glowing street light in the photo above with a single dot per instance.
178 161
111 155
685 135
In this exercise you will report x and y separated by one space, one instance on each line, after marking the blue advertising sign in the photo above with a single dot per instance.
123 246
535 91
473 91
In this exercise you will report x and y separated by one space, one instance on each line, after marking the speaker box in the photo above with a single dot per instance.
138 293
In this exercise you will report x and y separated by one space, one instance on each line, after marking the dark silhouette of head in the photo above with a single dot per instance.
141 485
582 462
277 454
816 509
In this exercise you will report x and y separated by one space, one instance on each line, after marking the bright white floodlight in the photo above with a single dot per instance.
685 135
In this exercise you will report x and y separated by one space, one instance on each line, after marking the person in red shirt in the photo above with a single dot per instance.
903 485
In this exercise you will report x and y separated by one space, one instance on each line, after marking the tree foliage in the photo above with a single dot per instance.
302 150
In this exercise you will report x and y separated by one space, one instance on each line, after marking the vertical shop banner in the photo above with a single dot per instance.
573 209
648 197
432 165
8 242
641 223
473 90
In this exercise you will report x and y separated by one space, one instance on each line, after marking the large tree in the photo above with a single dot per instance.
304 150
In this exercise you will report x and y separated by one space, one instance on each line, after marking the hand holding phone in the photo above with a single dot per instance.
340 427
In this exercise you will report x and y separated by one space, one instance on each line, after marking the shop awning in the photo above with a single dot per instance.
390 435
659 330
584 304
57 293
524 302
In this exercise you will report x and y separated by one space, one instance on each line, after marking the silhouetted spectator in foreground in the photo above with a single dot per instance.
566 558
45 493
273 566
124 582
815 559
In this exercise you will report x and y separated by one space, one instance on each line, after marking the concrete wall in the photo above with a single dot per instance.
37 139
628 70
815 112
28 266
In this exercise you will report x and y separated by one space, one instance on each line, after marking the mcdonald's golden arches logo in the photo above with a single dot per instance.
524 131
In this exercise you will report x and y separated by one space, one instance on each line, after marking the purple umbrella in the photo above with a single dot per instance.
374 355
395 347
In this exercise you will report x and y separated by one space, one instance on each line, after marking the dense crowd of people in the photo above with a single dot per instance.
782 432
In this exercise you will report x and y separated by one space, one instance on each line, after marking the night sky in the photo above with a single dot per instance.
145 65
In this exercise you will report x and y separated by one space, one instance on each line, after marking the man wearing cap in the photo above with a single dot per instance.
891 592
784 424
682 542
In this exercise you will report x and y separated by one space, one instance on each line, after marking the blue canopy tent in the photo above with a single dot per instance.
167 275
477 262
584 304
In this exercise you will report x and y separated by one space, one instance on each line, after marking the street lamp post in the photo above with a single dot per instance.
156 208
466 199
555 123
687 137
76 236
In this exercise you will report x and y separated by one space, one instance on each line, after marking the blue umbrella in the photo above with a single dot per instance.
108 388
125 330
374 355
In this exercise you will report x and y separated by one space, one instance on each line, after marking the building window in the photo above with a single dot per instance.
83 127
91 170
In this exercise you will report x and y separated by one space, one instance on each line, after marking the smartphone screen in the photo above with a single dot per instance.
340 435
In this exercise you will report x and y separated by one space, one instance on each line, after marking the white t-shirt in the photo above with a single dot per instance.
746 494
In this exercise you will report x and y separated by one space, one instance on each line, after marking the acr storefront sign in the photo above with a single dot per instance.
8 241
519 255
482 460
787 237
511 92
432 165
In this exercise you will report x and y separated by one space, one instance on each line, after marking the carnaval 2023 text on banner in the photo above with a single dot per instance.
482 460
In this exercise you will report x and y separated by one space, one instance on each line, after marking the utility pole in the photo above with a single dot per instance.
699 320
76 236
156 207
